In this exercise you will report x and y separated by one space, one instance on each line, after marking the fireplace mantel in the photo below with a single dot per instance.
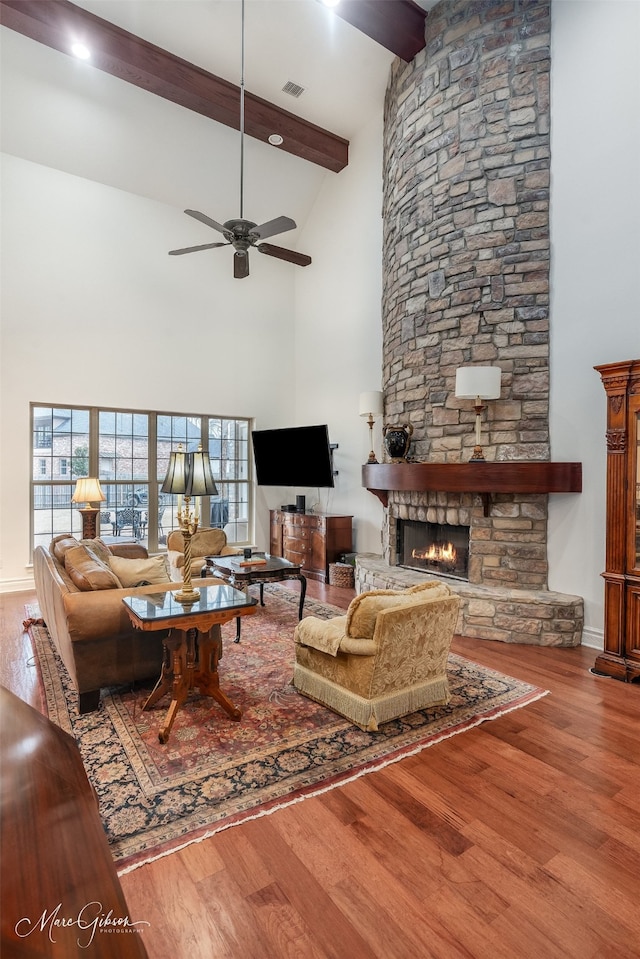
509 476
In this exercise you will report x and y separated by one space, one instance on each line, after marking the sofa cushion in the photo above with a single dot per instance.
60 544
139 572
87 572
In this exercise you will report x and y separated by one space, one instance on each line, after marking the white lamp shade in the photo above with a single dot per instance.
88 490
483 381
371 402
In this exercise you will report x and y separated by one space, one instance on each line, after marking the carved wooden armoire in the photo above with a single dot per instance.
621 656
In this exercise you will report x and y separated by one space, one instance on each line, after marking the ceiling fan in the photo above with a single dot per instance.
243 234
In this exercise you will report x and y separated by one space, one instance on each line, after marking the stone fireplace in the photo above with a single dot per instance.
466 281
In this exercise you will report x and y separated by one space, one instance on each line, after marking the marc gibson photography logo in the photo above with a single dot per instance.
90 920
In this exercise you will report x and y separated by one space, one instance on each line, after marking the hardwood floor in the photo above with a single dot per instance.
516 840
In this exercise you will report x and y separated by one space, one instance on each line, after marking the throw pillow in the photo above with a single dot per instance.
362 612
99 549
87 572
139 572
60 544
442 588
205 542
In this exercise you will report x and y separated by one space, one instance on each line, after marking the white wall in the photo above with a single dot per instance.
595 261
94 312
338 332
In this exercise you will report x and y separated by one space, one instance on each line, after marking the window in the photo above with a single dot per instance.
129 451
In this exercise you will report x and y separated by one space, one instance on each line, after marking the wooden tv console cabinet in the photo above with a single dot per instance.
311 539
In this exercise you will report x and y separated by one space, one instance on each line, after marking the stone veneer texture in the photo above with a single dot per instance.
466 262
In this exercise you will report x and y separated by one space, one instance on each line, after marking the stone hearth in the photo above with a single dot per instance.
527 616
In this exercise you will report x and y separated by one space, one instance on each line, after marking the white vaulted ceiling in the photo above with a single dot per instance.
62 112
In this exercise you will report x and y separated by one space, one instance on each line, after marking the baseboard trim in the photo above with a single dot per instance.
594 638
16 585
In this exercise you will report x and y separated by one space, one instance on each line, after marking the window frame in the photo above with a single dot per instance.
152 482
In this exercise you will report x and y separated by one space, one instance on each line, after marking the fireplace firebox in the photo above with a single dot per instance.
433 547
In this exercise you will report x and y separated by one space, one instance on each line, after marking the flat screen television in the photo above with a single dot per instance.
297 456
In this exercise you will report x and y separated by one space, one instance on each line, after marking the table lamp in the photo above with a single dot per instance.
188 474
371 405
88 491
478 383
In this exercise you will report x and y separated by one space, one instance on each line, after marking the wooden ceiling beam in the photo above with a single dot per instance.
58 23
398 25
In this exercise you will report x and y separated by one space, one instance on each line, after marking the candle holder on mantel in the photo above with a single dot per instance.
371 405
188 475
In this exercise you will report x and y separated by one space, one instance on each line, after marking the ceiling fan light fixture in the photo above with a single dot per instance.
276 140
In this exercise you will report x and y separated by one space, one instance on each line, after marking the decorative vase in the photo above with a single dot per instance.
397 440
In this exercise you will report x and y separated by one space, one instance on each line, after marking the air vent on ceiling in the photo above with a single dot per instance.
293 89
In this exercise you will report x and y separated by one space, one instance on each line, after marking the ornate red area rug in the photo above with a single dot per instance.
214 772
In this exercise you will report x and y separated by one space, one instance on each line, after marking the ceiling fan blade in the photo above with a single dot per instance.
240 265
280 225
206 220
194 249
291 256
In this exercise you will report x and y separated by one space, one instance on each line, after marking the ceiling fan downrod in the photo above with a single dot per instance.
243 234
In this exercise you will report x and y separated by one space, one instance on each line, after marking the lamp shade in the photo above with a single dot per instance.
483 381
200 481
371 402
189 474
88 490
176 479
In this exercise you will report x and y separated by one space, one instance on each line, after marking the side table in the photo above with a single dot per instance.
193 647
262 568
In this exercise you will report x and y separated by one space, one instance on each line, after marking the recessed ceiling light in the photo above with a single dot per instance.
81 51
276 140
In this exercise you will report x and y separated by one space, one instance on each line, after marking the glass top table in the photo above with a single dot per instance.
193 645
163 605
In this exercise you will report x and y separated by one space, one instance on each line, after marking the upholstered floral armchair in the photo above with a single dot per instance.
386 658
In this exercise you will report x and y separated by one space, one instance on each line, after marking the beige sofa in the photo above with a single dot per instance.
386 658
80 600
204 542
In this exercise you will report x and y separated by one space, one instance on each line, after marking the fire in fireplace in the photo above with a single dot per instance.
433 547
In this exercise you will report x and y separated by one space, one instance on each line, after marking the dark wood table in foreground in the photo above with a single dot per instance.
261 568
61 896
194 645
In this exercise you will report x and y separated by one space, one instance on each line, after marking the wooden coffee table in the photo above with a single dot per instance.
193 647
274 569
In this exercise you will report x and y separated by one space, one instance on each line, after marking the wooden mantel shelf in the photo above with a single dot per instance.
510 476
